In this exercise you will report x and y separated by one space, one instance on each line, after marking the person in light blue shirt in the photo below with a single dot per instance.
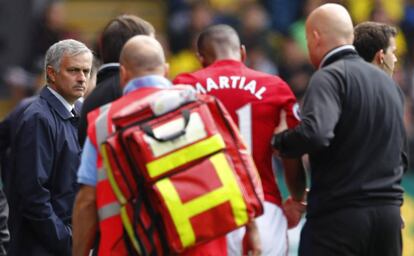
87 173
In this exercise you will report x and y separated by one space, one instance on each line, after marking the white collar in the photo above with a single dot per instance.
65 103
106 65
335 50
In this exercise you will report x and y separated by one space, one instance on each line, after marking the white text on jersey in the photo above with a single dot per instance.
232 82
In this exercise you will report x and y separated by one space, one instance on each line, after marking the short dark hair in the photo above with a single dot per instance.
370 37
117 33
221 35
96 63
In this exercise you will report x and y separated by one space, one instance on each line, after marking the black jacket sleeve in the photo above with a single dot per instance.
320 113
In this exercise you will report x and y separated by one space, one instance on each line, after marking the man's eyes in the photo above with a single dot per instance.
73 70
77 70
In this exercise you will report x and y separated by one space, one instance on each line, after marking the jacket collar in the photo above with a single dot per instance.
147 81
64 102
110 65
107 70
55 103
336 54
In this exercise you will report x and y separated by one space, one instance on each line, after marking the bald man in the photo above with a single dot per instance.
134 75
255 101
142 72
352 128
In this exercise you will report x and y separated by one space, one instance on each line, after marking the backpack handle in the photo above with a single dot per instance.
148 130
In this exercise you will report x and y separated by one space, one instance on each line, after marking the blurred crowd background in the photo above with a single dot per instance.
273 32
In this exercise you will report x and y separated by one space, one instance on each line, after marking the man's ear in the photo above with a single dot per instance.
243 54
379 57
201 59
316 37
166 69
123 76
51 74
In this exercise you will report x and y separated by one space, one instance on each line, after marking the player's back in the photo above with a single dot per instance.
254 100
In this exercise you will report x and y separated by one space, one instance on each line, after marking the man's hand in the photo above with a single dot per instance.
293 211
251 241
280 128
282 123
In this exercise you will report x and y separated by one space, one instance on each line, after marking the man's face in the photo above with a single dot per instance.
91 83
71 80
389 57
311 43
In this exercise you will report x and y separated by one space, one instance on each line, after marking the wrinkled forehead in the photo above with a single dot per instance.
83 59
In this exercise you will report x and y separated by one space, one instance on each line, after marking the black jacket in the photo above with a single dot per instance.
352 128
107 90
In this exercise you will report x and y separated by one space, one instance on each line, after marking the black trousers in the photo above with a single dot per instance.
366 231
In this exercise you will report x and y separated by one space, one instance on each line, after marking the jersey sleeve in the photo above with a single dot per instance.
321 112
184 78
290 105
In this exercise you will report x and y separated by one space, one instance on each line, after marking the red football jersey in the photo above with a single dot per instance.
254 100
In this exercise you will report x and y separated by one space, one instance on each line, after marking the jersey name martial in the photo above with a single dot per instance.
231 82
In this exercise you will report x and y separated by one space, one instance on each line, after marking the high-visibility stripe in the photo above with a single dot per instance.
104 108
108 211
228 192
129 229
117 191
121 199
227 176
102 125
185 155
102 175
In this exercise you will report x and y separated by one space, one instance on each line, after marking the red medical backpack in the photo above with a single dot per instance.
181 172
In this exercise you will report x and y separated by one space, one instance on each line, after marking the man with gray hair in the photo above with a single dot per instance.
41 186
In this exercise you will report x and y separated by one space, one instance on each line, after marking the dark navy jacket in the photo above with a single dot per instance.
43 179
7 136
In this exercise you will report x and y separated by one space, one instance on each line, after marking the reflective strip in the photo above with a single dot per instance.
129 229
102 175
121 199
108 211
194 131
115 188
185 155
182 213
101 125
233 191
